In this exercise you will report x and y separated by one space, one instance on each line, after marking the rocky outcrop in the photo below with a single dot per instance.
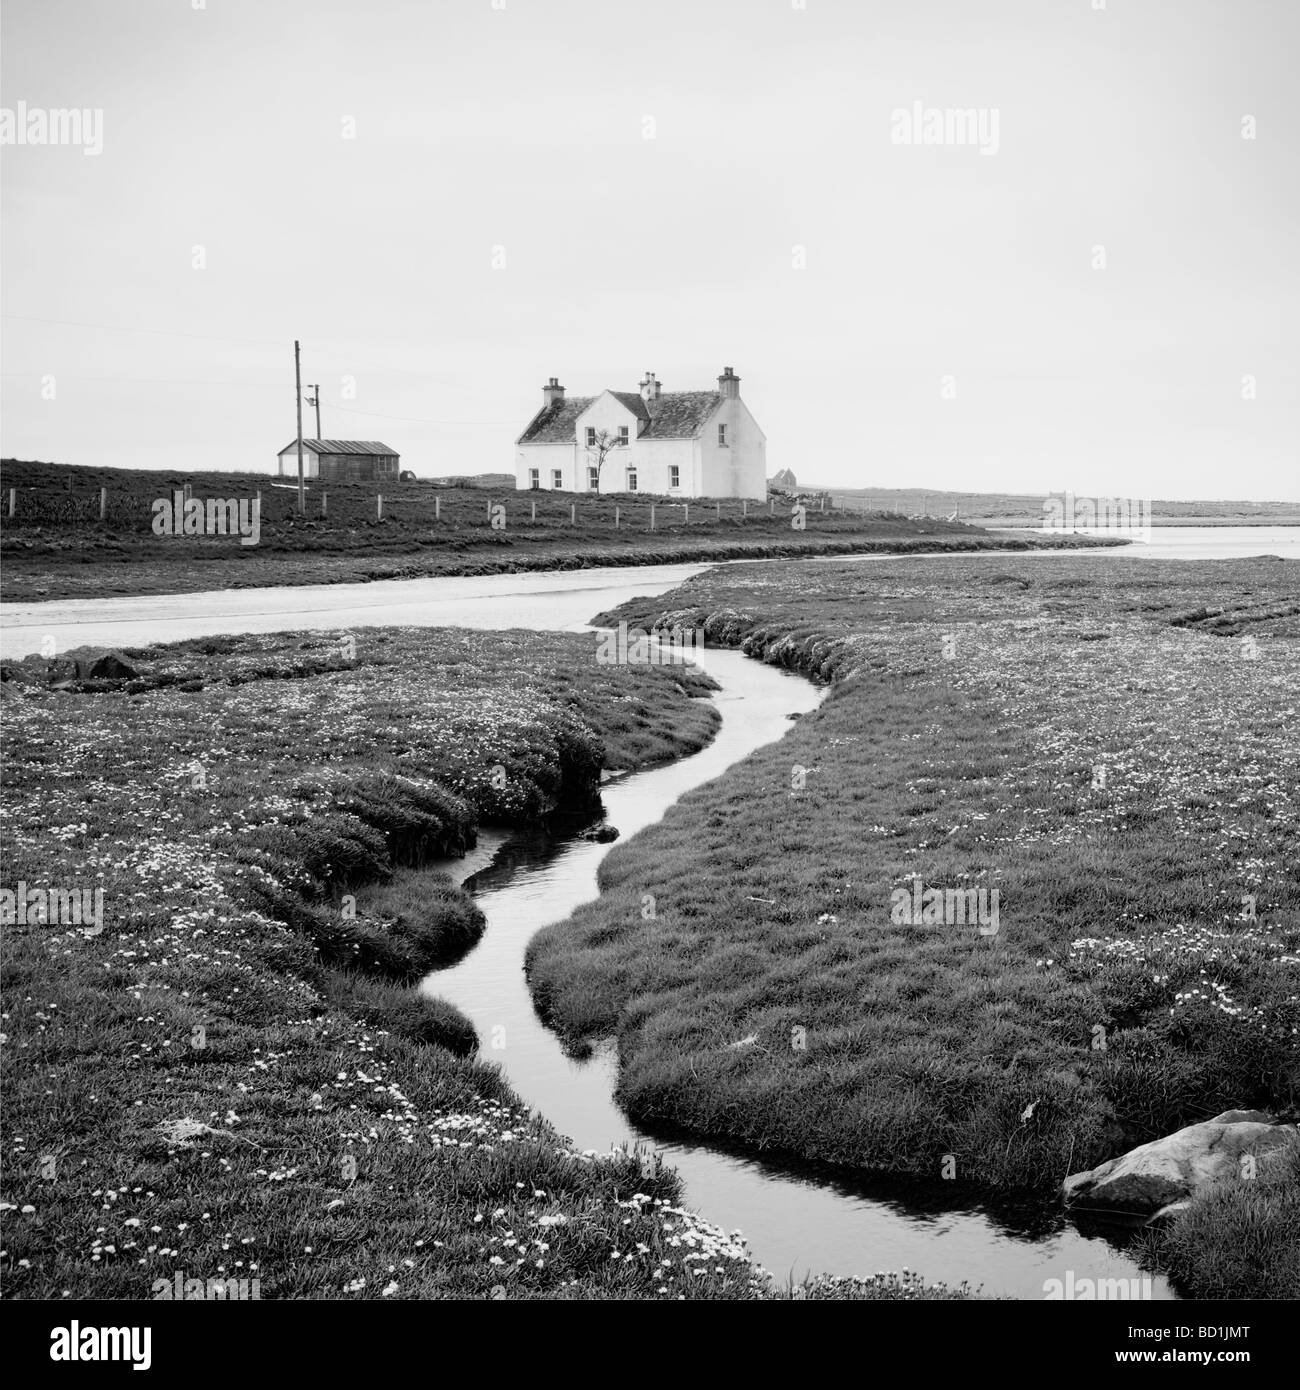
1150 1180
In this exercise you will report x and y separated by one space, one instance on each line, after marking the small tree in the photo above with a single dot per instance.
599 451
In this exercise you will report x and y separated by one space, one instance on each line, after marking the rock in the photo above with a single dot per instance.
1173 1209
66 672
110 667
600 834
1155 1177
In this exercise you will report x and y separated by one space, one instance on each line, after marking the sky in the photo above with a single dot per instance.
1094 287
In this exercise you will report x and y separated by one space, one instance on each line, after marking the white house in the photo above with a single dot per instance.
678 443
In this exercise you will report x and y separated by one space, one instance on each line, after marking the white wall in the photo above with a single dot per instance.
738 468
655 457
289 463
545 458
608 414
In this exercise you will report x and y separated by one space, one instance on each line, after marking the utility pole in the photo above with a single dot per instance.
297 381
314 399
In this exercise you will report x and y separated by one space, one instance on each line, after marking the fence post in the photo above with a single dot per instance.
379 506
534 510
324 499
652 516
771 506
103 504
719 511
13 501
744 506
437 507
823 501
616 518
573 513
686 513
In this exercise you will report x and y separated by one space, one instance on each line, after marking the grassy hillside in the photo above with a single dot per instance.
55 546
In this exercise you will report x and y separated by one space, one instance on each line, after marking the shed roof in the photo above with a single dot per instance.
341 446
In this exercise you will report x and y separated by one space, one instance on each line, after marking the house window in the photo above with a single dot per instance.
593 479
557 478
622 436
534 478
674 476
631 479
722 436
591 436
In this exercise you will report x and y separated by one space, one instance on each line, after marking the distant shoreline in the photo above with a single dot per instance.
1181 522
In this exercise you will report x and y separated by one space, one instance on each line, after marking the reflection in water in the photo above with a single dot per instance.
797 1217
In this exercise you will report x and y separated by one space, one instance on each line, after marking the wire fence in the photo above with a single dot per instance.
174 510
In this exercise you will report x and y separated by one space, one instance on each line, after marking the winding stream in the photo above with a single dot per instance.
795 1218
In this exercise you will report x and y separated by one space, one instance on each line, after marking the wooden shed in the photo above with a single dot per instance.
341 460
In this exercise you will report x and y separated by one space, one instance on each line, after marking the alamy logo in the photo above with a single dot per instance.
23 125
666 647
1086 1290
59 907
77 1343
193 516
947 907
1098 516
178 1288
932 125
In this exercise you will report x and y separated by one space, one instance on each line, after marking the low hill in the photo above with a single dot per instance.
1026 509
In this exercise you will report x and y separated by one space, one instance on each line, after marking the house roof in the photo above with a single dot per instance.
679 414
341 446
554 424
633 401
674 415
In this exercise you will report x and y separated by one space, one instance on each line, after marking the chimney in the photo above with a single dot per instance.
729 385
552 393
649 387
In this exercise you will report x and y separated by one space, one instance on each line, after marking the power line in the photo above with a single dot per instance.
260 386
213 338
154 380
121 328
416 420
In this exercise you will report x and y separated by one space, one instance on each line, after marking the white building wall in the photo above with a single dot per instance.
655 459
289 463
546 458
607 414
739 467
